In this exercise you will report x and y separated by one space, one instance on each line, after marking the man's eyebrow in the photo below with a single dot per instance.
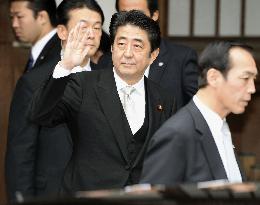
135 39
14 12
121 38
250 73
85 21
138 40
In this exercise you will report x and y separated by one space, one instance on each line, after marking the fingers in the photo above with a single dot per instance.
77 36
85 51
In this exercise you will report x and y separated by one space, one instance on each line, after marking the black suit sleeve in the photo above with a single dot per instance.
21 144
190 75
56 102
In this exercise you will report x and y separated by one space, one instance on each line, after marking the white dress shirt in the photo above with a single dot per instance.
138 97
146 73
39 45
216 124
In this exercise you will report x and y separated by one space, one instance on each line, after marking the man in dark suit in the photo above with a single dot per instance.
175 68
195 144
36 155
109 142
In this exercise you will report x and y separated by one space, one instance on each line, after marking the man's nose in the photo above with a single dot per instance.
15 22
128 51
91 34
251 86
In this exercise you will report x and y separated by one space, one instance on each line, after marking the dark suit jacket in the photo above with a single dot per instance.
174 69
91 106
36 156
183 150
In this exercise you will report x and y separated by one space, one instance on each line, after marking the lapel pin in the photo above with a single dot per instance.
42 57
160 64
160 108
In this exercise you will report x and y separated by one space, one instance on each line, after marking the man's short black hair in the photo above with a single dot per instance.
152 6
67 5
42 5
138 19
217 55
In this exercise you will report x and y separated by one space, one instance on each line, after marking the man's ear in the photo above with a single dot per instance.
62 32
112 48
155 15
43 17
154 55
214 76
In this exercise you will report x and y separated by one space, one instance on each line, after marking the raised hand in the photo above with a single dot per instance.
76 48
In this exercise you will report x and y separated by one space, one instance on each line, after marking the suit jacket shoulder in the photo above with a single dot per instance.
175 69
51 51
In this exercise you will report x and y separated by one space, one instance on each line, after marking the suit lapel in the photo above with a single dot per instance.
153 99
93 66
157 68
208 144
112 107
47 49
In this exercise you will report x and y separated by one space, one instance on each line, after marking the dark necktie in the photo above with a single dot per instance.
29 64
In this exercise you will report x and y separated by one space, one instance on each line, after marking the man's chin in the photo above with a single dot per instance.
21 42
239 111
92 51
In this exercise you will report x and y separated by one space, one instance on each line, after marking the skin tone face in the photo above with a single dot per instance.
131 53
91 22
26 26
141 5
234 91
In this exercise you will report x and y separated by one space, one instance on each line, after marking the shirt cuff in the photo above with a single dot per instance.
60 72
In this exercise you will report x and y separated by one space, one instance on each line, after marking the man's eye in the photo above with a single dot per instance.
245 77
97 28
138 47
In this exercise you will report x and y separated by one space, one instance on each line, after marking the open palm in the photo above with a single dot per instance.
76 49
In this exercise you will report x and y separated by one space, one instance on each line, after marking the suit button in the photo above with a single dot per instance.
127 167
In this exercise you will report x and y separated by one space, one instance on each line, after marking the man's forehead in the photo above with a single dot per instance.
131 31
21 5
85 14
129 28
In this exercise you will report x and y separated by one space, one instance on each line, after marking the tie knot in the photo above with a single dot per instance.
128 90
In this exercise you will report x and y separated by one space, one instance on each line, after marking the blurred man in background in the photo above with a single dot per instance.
37 156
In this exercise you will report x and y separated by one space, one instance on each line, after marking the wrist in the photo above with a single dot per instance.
66 64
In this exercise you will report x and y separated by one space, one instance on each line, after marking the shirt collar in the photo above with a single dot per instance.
139 86
213 120
39 45
146 73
